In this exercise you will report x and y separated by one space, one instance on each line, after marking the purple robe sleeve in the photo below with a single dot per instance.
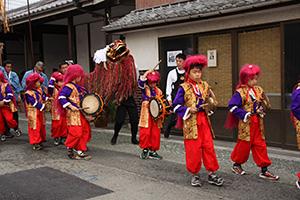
295 106
35 103
51 87
63 96
9 95
141 85
178 105
235 107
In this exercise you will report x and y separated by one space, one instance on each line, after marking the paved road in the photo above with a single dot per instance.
118 169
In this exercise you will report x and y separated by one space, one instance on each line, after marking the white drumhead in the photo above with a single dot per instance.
154 108
90 104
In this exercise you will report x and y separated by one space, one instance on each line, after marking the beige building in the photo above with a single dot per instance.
263 32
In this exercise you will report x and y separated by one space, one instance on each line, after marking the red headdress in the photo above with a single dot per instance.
32 79
58 76
247 72
153 77
73 72
193 61
2 77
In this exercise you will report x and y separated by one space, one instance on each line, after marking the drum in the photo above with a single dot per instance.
91 104
158 107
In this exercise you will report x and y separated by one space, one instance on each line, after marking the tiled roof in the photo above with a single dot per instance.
43 5
185 10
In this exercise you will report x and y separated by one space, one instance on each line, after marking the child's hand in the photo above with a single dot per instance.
1 103
73 108
193 110
146 73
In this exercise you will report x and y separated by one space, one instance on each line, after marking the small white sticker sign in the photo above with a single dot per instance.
212 58
171 57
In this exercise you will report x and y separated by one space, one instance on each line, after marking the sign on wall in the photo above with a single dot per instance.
171 57
212 58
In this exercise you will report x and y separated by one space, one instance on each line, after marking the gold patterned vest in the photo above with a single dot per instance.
11 104
73 117
247 105
297 125
190 130
54 111
144 116
31 110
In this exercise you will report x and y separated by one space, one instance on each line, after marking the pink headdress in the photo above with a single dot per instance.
58 76
73 72
247 72
153 77
32 79
193 61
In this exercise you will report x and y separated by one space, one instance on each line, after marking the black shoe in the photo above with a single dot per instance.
237 169
36 147
134 141
145 154
56 141
9 135
3 138
62 140
195 181
113 140
18 132
154 155
213 179
298 184
166 133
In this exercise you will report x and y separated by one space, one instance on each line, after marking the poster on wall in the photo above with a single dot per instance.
171 57
212 58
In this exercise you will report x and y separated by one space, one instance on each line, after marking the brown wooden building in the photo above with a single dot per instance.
61 29
264 32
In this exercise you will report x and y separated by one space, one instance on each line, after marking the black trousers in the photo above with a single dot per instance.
127 106
170 123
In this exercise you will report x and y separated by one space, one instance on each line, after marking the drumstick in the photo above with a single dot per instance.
156 65
84 108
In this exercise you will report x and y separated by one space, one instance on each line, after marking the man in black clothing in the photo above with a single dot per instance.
175 78
129 106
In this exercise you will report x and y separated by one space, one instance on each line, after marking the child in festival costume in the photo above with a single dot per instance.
35 104
79 130
295 108
247 112
198 138
149 128
7 106
59 125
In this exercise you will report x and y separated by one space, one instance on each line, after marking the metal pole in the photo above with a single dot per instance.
30 34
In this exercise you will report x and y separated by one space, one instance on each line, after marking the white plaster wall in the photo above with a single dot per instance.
144 42
82 47
55 50
144 48
97 36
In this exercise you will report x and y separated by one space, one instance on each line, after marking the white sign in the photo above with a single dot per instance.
171 58
212 58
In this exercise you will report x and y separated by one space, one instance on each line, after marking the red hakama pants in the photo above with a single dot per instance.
257 144
59 128
6 116
79 136
150 137
201 148
37 135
